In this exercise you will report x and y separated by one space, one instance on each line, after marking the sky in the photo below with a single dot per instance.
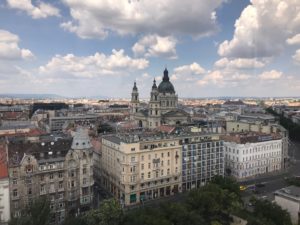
211 48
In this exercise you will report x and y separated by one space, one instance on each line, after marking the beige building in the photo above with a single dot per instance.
135 170
62 170
149 165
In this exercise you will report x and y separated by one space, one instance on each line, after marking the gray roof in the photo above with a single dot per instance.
175 112
113 139
166 86
290 192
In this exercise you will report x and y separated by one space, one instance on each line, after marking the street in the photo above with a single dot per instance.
274 182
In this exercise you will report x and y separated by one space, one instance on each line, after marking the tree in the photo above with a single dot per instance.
268 213
227 183
109 213
38 213
213 203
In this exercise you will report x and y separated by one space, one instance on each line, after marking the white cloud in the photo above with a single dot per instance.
296 57
270 75
93 66
42 10
294 40
239 63
9 47
194 69
95 19
222 78
262 29
156 46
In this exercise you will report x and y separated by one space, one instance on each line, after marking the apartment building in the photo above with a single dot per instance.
266 128
202 159
250 154
149 165
57 123
61 170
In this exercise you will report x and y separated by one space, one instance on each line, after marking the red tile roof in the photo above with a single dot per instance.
3 162
166 128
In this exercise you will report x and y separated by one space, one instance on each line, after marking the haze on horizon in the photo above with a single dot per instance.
99 48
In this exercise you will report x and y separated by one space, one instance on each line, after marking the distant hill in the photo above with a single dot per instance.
31 96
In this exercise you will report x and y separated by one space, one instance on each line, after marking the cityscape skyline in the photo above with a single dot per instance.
212 49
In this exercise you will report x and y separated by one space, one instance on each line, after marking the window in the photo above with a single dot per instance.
168 172
168 154
42 188
149 156
142 158
61 205
149 165
132 159
162 172
162 155
132 149
29 191
142 176
60 185
15 192
16 204
132 178
85 191
149 175
15 181
51 176
168 162
72 173
162 163
52 189
29 168
84 171
60 174
142 166
156 174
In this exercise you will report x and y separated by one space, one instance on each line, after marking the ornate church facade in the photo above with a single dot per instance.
162 108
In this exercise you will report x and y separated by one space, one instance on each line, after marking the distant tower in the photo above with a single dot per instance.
135 103
154 108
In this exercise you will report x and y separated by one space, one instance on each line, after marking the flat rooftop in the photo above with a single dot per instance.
136 136
289 192
250 137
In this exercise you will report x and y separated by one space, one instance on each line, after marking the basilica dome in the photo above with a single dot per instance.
166 86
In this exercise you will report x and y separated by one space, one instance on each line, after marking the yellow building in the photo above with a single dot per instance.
149 165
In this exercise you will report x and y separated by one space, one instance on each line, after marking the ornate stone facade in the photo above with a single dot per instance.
62 170
162 108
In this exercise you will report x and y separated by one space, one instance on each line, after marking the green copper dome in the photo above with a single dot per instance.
166 86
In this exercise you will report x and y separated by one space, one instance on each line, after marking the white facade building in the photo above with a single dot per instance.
249 155
4 201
